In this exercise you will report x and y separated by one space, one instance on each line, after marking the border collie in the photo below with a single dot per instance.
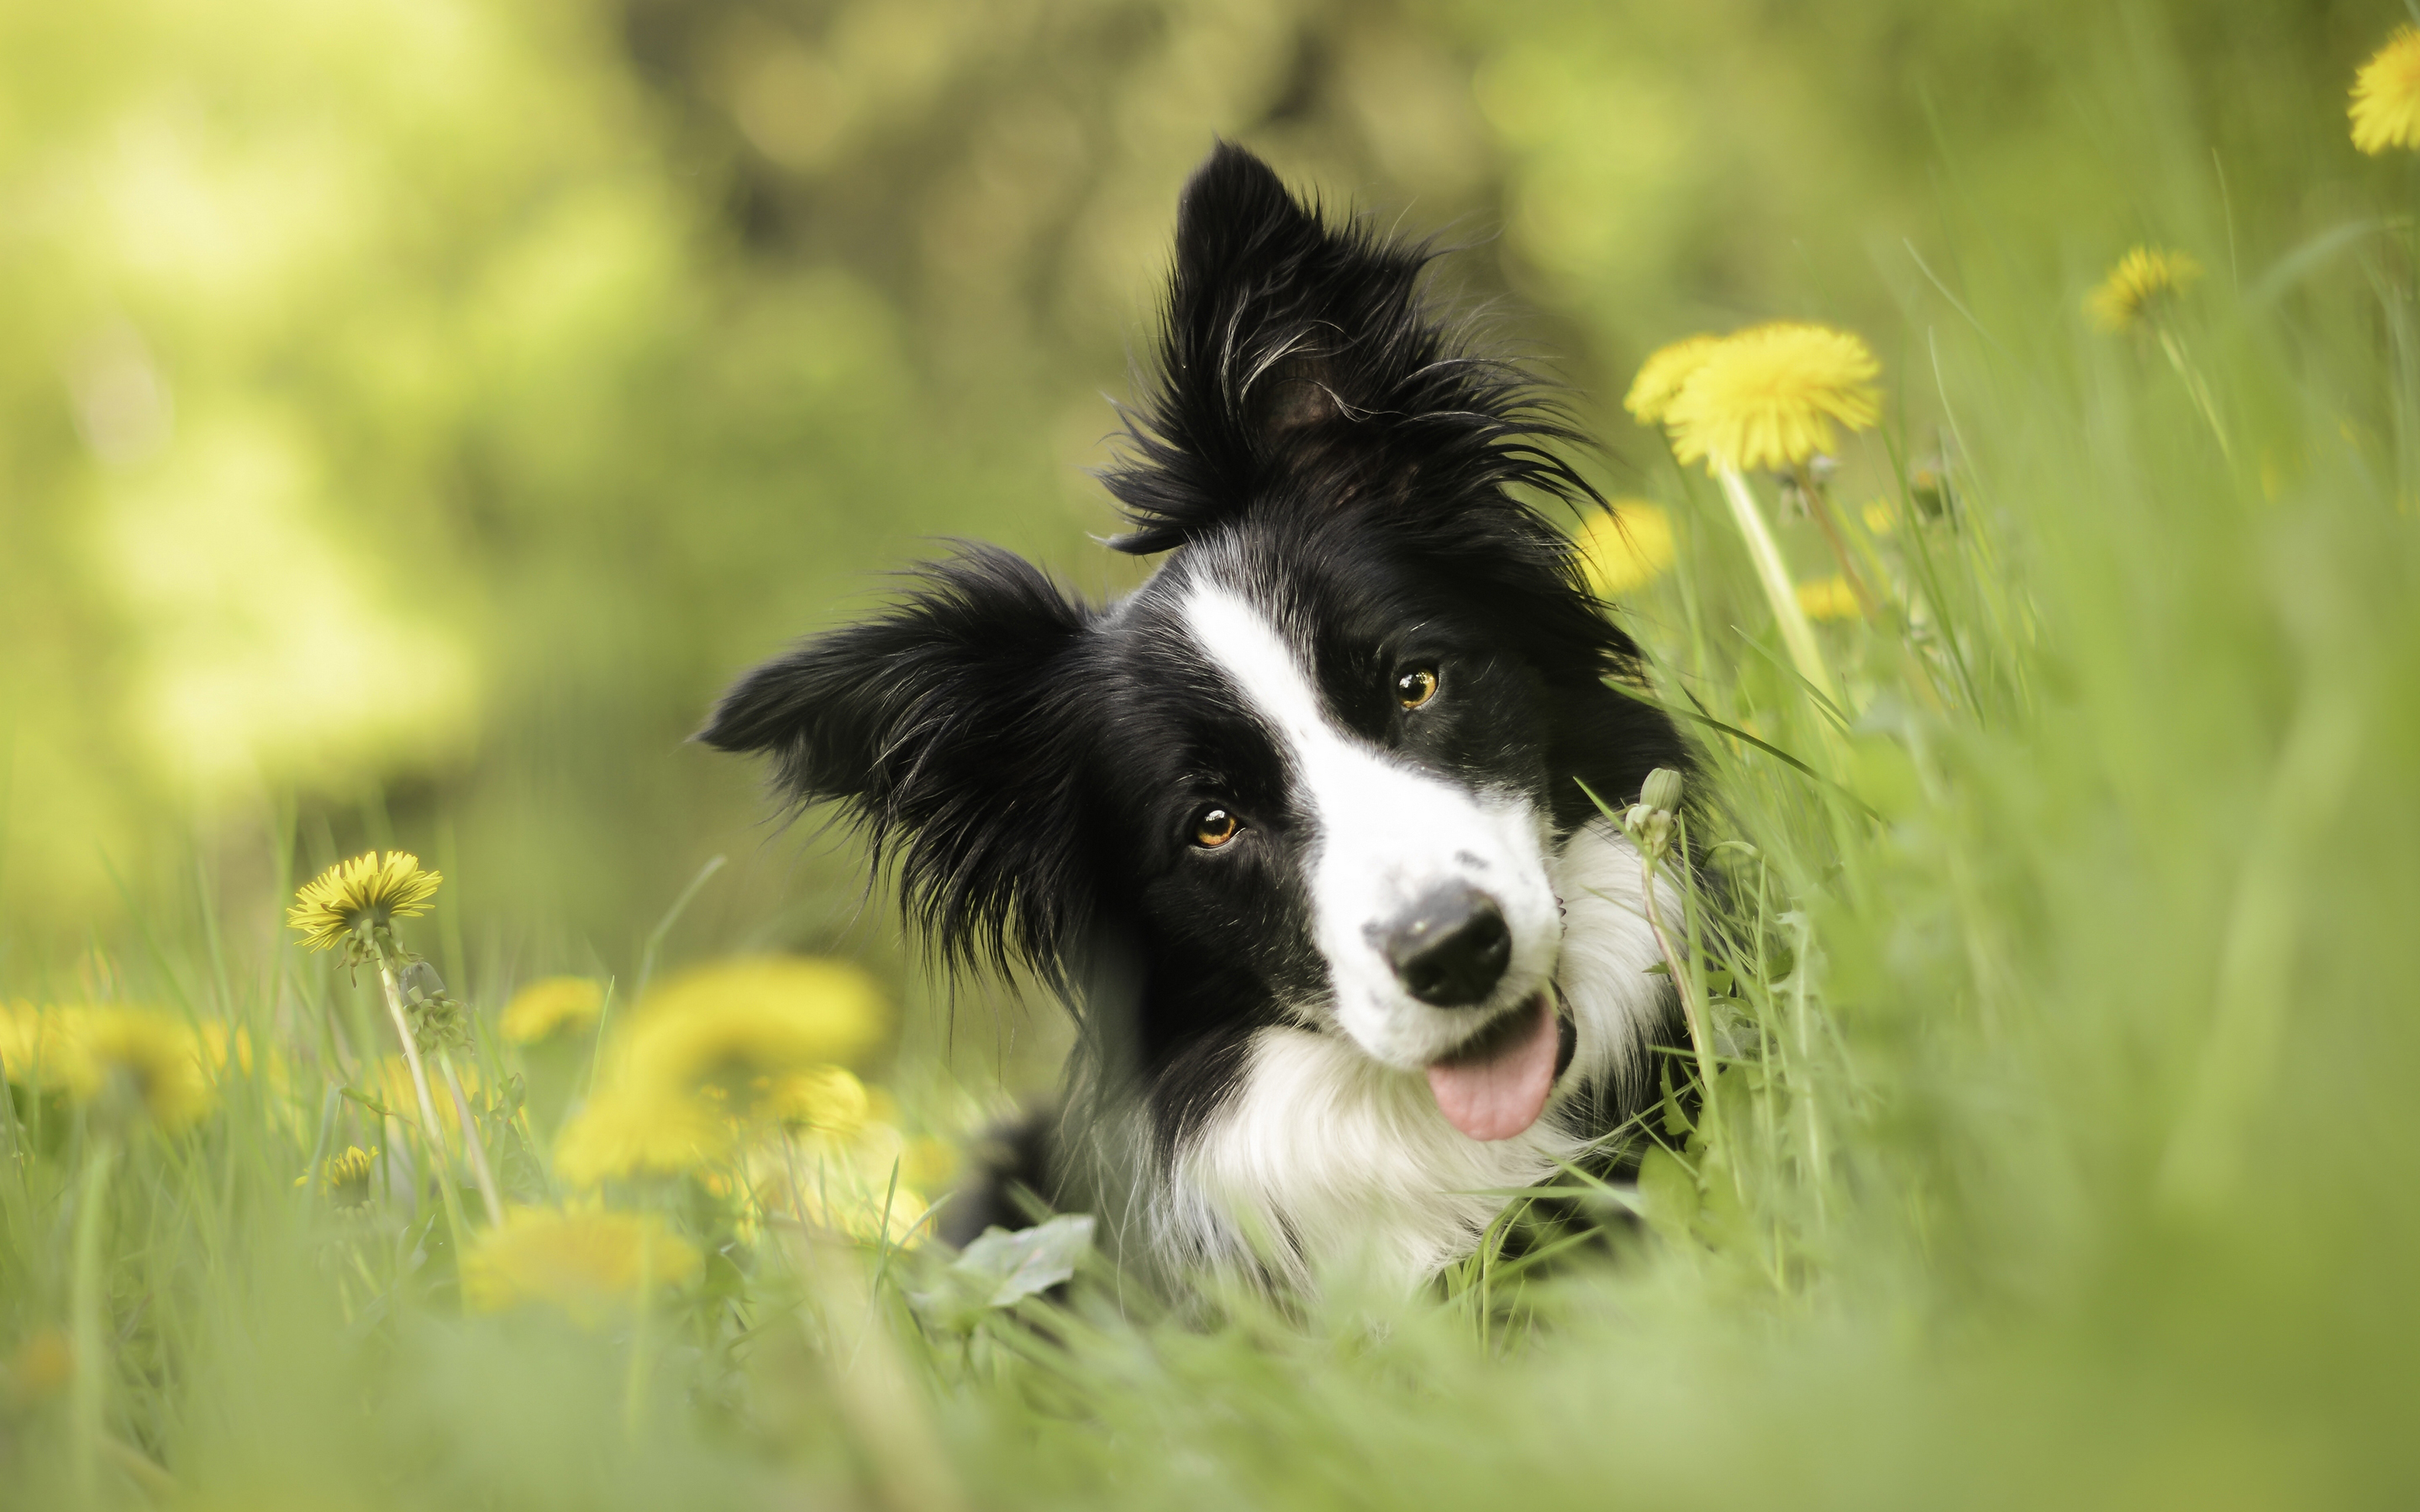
1301 829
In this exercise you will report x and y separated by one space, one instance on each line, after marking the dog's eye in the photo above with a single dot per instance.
1415 687
1214 826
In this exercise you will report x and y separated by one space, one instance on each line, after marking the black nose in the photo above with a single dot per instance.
1451 948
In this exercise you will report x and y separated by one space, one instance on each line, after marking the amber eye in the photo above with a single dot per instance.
1214 826
1415 687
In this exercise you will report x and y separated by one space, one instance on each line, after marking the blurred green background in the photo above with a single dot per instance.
412 413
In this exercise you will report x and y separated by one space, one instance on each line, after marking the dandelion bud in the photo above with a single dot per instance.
420 982
1662 789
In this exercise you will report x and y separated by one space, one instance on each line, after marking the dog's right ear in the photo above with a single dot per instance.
948 726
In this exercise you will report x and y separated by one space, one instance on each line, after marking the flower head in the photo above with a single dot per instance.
345 1178
1771 396
34 1052
544 1009
593 1264
2142 280
128 1060
151 1059
752 1041
1662 375
732 1030
1627 549
371 887
2386 95
1828 598
625 1131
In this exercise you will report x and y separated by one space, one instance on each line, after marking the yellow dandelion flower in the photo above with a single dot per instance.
590 1263
345 1178
734 1027
2385 107
859 1185
136 1059
1828 598
1771 396
826 1099
624 1132
1662 375
929 1163
35 1051
1627 549
2143 281
372 886
1879 518
548 1007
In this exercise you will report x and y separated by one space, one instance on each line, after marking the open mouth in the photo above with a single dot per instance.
1495 1083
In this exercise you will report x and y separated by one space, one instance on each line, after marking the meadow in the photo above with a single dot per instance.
2059 1139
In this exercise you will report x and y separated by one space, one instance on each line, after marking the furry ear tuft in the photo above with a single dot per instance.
949 730
1299 368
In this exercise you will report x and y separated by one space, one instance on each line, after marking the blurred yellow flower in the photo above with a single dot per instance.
1771 396
1828 598
825 1011
1626 548
624 1132
1879 518
145 1061
732 1029
546 1007
373 886
593 1263
2144 278
1662 375
2386 95
345 1178
32 1051
863 1184
153 1059
826 1099
739 1043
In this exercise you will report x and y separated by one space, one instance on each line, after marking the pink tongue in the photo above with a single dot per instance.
1502 1092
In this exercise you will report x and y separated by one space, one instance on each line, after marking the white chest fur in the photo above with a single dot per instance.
1323 1157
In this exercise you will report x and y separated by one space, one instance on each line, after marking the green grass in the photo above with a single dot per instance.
2067 1135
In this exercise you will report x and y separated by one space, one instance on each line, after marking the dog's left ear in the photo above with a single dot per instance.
1299 368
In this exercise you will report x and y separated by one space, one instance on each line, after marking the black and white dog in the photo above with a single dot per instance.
1298 828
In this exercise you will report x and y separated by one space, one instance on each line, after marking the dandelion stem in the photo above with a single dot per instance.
1797 635
2191 376
87 1290
430 1140
478 1151
634 1382
1821 508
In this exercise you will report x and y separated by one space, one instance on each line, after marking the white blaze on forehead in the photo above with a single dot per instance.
1384 833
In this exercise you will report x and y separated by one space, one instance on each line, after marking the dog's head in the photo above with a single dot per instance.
1317 770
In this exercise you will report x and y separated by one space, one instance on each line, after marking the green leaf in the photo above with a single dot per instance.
1007 1267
